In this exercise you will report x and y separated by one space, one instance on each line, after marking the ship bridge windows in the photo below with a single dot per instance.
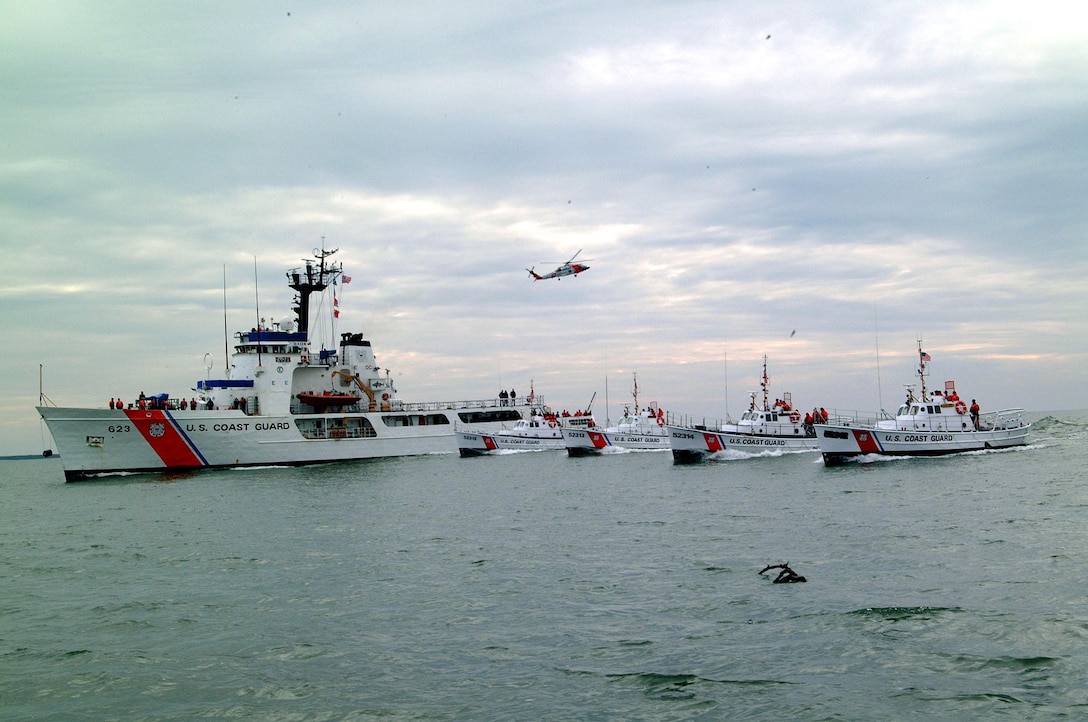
281 349
267 348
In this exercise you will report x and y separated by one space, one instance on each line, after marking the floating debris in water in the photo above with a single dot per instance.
786 576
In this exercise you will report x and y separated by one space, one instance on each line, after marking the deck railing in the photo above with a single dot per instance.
843 417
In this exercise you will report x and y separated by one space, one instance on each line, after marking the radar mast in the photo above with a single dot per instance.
314 278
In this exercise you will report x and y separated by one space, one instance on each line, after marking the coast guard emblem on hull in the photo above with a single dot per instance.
157 430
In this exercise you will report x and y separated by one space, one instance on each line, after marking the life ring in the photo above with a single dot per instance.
795 416
304 359
961 408
551 423
385 397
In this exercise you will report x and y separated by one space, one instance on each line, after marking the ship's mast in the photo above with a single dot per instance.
765 383
923 357
312 279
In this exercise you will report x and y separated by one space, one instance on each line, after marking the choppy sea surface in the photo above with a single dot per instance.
536 586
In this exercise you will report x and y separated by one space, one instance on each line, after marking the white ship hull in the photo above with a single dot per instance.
101 441
285 399
690 444
764 427
841 443
580 442
542 430
479 443
927 424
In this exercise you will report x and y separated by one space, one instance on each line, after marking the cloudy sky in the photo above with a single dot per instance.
819 182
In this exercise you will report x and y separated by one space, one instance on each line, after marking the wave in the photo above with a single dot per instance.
897 613
736 455
974 663
663 686
1060 428
625 450
893 458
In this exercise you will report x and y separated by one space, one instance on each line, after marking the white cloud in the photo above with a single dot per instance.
866 172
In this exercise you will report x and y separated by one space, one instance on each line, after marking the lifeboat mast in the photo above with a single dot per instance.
923 357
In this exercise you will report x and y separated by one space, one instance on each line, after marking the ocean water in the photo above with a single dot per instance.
535 586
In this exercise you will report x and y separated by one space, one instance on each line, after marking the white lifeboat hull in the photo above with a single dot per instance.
926 424
692 444
841 443
587 442
537 433
478 443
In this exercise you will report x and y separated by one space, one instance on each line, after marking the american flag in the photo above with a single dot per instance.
926 356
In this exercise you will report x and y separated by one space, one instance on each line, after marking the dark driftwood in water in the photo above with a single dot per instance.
786 576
